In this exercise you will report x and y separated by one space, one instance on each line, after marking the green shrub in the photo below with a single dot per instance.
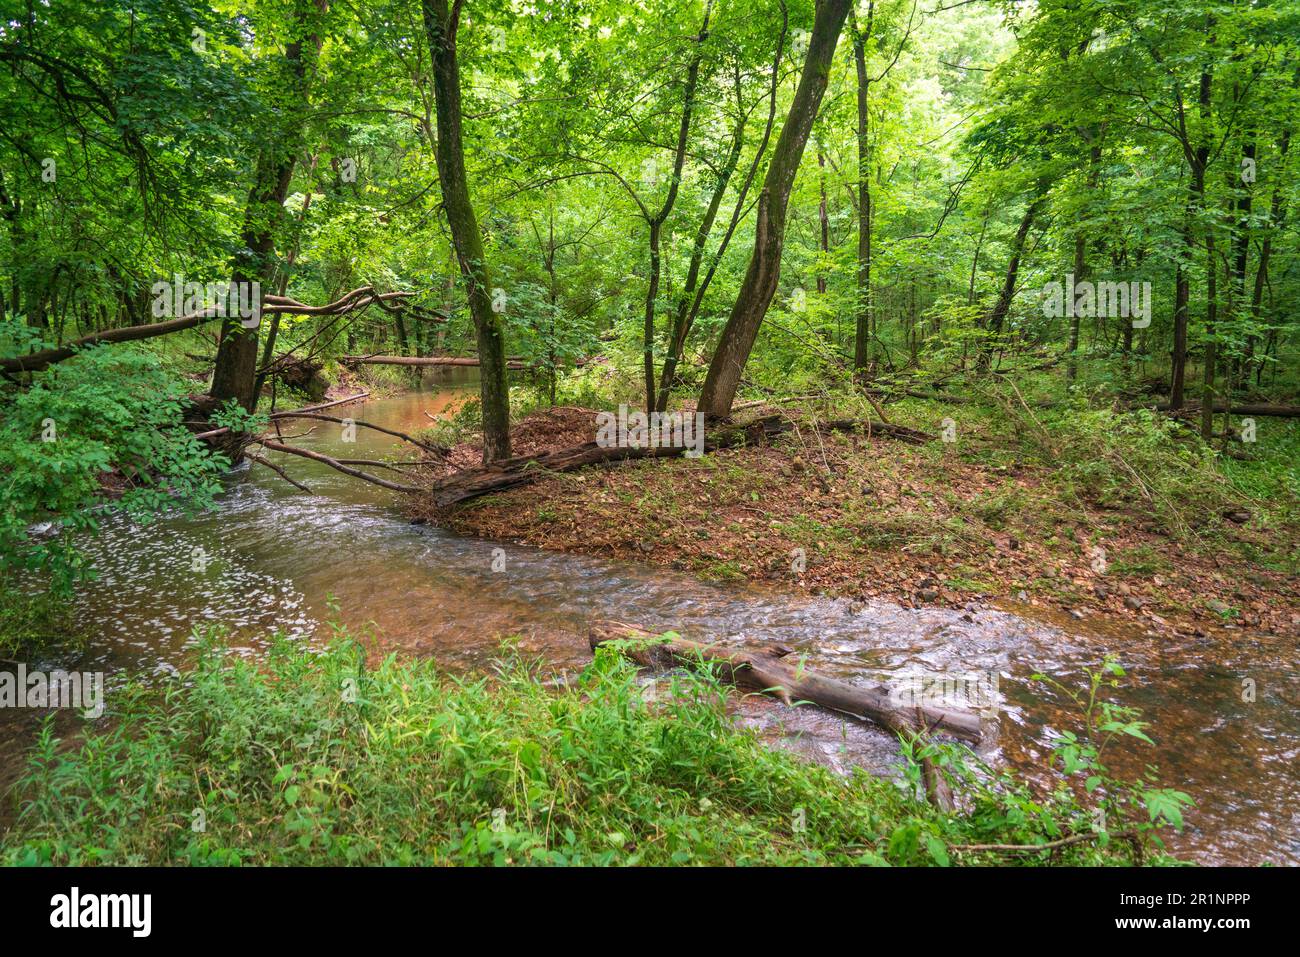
310 758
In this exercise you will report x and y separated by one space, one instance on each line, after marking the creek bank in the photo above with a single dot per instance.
842 515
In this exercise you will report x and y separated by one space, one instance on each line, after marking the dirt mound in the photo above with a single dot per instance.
542 431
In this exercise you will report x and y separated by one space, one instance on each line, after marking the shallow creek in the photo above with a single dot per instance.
273 557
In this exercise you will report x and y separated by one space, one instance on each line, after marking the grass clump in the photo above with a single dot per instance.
311 758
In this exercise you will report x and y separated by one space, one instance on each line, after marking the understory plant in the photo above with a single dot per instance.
311 757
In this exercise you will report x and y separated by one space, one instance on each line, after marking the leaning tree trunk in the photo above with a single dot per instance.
764 270
683 316
440 24
998 314
235 373
862 324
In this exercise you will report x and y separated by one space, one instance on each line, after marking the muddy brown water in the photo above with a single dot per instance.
272 557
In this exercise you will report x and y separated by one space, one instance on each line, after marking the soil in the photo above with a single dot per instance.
841 515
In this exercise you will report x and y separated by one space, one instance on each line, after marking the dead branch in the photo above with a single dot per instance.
253 457
336 464
431 449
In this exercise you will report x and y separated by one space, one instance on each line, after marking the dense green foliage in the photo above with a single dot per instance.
315 758
1153 141
968 163
100 431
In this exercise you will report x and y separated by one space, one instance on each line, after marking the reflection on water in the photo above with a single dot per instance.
276 557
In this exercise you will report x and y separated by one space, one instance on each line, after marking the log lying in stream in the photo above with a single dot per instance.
422 361
336 464
513 362
765 669
526 469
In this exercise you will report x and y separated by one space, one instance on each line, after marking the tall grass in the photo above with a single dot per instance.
310 758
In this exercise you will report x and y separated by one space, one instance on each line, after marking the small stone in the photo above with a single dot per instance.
1076 614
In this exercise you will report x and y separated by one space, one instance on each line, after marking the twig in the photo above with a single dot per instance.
1035 848
275 468
336 464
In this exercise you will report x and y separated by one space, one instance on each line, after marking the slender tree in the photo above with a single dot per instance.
764 270
441 23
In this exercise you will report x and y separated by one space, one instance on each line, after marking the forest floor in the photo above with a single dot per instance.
916 525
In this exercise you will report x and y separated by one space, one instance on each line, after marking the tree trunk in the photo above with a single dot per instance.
1211 350
235 373
1197 160
997 315
656 222
862 326
1081 258
685 314
765 669
824 240
494 392
764 270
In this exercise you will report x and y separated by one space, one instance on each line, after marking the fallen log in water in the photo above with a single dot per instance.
514 362
526 469
431 449
336 464
765 669
422 361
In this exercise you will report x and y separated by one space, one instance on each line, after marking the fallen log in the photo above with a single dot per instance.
1242 408
317 408
289 414
271 305
472 361
36 361
422 361
336 464
764 669
431 449
525 469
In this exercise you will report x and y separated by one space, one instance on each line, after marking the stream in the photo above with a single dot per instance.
273 557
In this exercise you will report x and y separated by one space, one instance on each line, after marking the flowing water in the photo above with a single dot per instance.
273 557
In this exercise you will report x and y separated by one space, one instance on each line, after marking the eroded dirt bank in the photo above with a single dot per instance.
841 515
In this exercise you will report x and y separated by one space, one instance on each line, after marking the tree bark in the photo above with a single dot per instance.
862 323
759 286
235 373
765 669
997 315
440 25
